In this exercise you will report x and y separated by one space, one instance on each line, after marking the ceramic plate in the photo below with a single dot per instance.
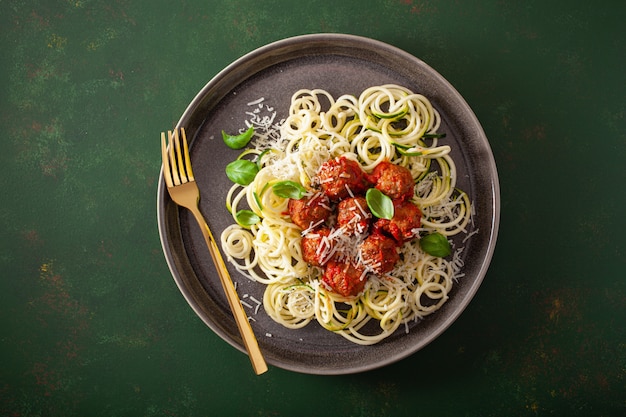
340 64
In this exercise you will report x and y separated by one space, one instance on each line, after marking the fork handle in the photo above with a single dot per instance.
241 318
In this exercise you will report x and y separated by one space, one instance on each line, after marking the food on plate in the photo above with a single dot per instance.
354 215
309 211
344 277
348 221
379 253
393 180
341 177
405 223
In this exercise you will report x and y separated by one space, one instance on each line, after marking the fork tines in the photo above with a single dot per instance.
176 162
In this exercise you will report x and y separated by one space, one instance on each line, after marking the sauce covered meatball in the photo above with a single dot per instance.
393 180
404 223
341 177
309 211
316 246
379 253
353 215
344 278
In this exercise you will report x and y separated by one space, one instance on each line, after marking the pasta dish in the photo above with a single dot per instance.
346 212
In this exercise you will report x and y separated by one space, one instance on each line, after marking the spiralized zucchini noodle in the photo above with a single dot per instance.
385 123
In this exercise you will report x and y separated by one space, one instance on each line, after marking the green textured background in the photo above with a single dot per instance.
92 323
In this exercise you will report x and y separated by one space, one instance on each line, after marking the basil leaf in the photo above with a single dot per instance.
247 218
380 204
436 244
238 141
289 189
242 171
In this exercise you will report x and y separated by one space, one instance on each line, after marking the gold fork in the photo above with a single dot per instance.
184 191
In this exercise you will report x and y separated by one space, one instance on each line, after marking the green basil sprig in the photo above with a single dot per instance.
436 244
238 141
247 218
242 171
289 189
379 204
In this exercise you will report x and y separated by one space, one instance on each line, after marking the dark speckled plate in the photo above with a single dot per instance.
341 64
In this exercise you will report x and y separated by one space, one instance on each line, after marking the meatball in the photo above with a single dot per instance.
353 215
404 223
393 180
340 177
316 246
379 253
344 278
311 211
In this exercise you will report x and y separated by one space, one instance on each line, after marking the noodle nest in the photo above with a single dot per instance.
385 123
